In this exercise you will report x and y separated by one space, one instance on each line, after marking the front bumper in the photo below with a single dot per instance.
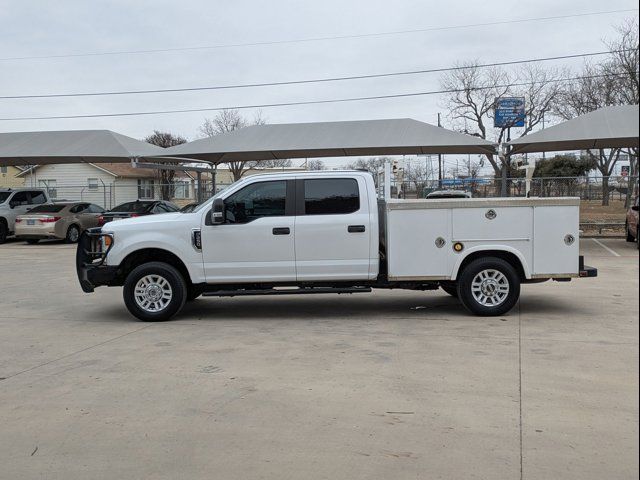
90 259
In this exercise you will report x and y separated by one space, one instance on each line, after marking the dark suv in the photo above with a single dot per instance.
137 209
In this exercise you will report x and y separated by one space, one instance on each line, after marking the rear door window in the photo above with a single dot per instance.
81 208
331 196
20 198
92 208
37 198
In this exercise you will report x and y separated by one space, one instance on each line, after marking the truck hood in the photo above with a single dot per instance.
144 220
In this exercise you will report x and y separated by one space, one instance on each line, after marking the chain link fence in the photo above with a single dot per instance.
110 195
590 188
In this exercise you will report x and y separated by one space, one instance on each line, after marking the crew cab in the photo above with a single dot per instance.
16 202
327 232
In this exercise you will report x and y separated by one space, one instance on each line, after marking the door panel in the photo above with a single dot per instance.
331 245
253 246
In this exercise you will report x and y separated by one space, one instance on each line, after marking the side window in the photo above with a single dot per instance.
81 208
159 208
264 199
170 207
37 198
331 196
20 198
94 209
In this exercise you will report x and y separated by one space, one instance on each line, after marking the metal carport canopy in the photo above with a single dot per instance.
72 146
331 139
608 127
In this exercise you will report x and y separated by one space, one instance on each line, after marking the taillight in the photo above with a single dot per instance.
134 215
50 219
101 220
18 220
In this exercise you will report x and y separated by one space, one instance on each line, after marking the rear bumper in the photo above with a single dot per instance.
35 236
35 231
585 271
90 259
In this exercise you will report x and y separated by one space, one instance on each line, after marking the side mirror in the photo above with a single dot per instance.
13 204
217 212
635 208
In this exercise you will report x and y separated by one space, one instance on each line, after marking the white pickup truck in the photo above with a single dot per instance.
327 232
15 202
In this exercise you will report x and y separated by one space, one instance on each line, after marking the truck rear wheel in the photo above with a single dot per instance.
489 286
154 292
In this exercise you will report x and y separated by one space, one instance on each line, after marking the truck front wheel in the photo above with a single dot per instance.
489 286
154 291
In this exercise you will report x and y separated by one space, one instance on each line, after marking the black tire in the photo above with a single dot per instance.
4 231
510 278
33 241
629 235
168 273
450 287
73 234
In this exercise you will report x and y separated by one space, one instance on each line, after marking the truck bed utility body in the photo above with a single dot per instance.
328 232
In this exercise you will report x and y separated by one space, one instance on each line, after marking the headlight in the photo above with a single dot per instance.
106 241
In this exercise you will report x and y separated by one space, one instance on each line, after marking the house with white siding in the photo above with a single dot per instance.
105 184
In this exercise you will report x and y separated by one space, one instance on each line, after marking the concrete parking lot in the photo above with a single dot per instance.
389 385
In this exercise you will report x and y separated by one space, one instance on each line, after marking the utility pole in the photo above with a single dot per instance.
543 153
439 159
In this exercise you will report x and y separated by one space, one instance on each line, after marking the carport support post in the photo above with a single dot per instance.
199 182
505 165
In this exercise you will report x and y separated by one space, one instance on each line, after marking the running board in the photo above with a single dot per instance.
285 291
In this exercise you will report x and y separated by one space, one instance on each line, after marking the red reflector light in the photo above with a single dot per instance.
50 219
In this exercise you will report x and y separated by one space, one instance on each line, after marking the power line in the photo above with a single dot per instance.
317 39
290 104
306 81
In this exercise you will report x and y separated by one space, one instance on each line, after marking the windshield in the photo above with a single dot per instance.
47 209
4 196
132 207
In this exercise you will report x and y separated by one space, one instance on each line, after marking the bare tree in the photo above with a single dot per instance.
227 121
612 81
472 93
373 164
274 163
316 164
165 177
415 174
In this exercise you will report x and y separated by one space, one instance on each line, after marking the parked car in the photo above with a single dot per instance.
64 221
15 202
327 232
189 207
138 208
449 194
632 226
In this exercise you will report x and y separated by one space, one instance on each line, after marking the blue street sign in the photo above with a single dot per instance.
509 112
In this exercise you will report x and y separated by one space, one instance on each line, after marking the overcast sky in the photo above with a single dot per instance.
41 28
